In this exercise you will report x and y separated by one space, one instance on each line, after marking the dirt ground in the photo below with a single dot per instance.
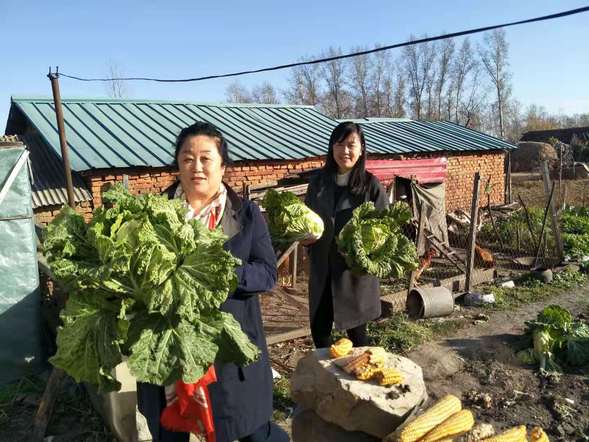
478 363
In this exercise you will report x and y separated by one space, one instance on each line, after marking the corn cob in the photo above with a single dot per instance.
388 376
478 433
457 424
365 373
340 348
435 415
377 356
515 434
537 434
357 363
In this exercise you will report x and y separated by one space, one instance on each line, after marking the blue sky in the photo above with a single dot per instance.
549 60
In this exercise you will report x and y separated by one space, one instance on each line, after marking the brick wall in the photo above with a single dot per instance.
43 215
461 168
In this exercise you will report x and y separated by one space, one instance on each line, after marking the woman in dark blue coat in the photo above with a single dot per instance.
242 396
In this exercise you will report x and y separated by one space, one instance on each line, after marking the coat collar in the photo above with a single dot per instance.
230 222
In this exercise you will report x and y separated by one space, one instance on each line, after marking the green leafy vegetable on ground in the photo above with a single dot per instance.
373 241
289 219
557 338
143 283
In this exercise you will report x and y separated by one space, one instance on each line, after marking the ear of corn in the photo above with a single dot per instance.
435 415
515 434
456 425
537 434
340 348
365 373
357 363
388 376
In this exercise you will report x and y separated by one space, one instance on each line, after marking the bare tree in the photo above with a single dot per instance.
419 61
305 85
337 101
360 68
265 94
238 93
494 57
446 52
463 65
471 108
381 81
116 88
398 108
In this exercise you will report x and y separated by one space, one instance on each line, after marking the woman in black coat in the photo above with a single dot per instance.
335 293
242 396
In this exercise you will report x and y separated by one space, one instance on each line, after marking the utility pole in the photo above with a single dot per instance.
54 78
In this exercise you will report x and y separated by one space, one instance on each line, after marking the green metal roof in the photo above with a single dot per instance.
105 133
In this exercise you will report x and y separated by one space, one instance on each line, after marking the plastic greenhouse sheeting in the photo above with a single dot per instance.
20 325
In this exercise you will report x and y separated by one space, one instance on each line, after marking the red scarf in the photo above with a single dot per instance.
189 410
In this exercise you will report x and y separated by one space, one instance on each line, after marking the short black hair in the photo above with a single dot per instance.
359 176
207 129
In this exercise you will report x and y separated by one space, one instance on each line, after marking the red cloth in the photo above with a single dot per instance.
191 411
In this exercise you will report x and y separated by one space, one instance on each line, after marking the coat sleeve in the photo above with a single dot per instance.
378 194
259 273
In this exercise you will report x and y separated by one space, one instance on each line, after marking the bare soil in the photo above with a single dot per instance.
478 363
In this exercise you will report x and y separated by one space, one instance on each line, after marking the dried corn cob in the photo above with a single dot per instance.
388 376
515 434
340 348
357 362
435 415
479 432
457 424
537 434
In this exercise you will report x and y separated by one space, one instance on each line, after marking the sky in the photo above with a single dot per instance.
179 39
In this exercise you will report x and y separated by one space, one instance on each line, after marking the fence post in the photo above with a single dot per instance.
295 265
553 215
474 216
419 241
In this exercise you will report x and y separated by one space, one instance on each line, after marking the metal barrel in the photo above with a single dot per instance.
429 302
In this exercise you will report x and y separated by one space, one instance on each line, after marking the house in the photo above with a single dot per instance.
133 140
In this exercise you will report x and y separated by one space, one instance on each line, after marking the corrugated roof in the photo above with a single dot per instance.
48 184
106 133
412 136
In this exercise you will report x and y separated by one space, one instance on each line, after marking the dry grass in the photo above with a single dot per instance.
572 192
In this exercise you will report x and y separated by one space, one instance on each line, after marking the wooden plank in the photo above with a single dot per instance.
474 217
286 253
295 265
553 215
420 242
46 404
287 336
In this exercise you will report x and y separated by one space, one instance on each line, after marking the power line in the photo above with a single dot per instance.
349 55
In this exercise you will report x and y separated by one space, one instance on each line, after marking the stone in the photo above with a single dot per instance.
319 384
308 427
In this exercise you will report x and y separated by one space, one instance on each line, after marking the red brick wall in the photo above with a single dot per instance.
461 168
43 215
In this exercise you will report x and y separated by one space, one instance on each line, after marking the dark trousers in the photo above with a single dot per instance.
151 401
322 323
